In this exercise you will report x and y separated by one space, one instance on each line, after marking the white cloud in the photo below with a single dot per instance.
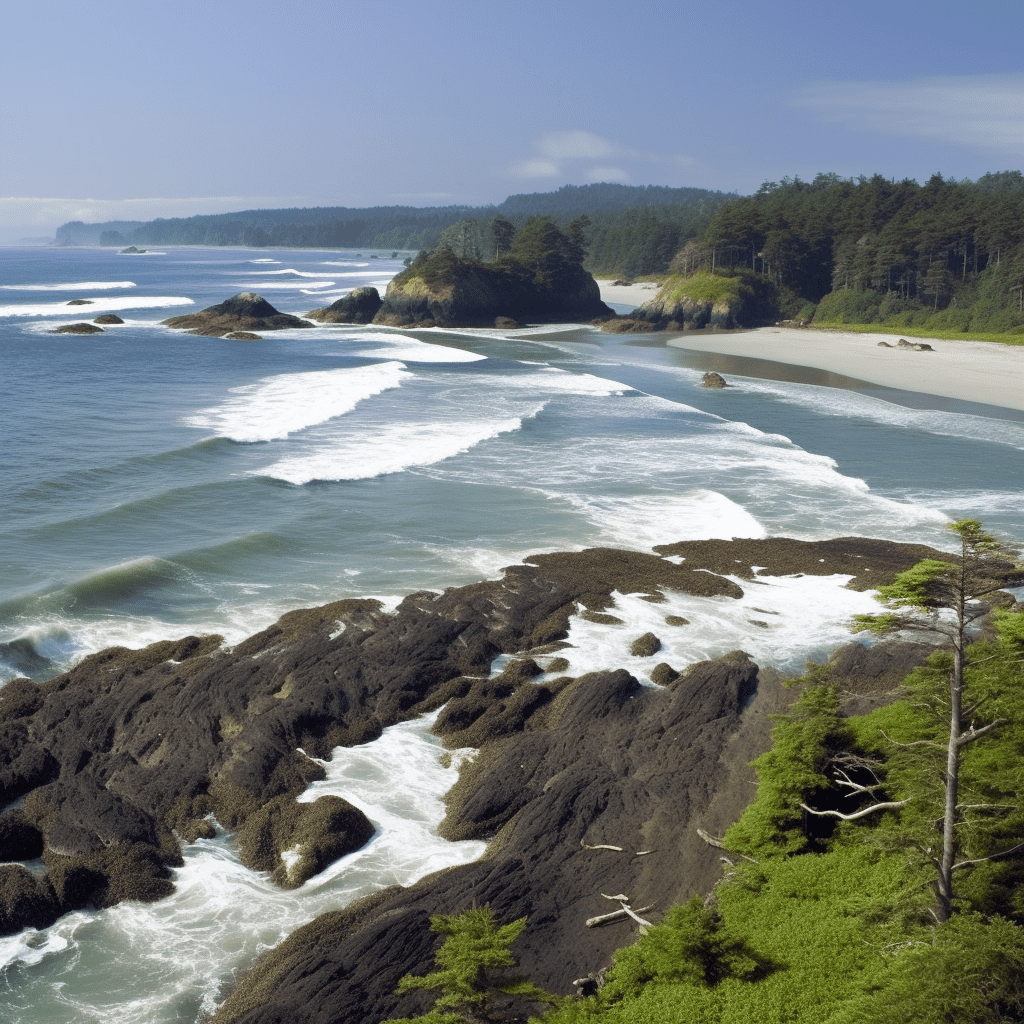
569 154
575 145
976 111
535 168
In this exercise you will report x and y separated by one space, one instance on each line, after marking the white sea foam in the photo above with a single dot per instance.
78 286
290 271
343 263
779 621
265 260
280 286
853 405
391 449
100 305
397 346
279 406
175 956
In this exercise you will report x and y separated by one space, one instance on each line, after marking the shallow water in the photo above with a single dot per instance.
158 484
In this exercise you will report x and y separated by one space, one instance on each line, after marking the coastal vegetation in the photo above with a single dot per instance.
838 903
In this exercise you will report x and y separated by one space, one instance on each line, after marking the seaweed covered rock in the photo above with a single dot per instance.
245 311
82 328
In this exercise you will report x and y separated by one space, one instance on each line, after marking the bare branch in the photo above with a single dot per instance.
600 846
916 743
857 814
593 922
973 734
842 779
991 856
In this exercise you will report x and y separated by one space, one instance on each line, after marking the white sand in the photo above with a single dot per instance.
973 371
628 294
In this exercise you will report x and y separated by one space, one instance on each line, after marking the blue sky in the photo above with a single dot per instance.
142 109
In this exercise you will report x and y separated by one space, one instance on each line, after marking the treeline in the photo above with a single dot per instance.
634 228
944 255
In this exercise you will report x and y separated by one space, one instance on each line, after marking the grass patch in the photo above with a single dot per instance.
702 287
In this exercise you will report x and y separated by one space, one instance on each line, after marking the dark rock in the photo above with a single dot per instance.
645 646
82 328
884 344
131 251
360 306
469 294
713 380
664 674
676 620
243 336
903 343
80 302
506 323
25 901
19 838
130 747
627 325
108 318
245 311
923 346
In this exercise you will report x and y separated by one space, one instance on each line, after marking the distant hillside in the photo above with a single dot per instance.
405 227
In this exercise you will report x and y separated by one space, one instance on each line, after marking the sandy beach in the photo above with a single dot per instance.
971 371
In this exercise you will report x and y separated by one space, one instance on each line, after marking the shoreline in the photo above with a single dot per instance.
980 372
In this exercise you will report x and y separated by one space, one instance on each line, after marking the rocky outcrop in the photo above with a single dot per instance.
467 294
713 380
360 306
705 300
108 318
245 311
81 328
129 754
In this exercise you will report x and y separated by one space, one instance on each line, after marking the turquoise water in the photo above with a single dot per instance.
157 484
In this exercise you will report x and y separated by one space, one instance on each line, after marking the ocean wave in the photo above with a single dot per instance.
101 305
265 261
291 271
276 407
77 286
280 286
393 449
409 350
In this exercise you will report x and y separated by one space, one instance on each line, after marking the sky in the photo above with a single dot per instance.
163 108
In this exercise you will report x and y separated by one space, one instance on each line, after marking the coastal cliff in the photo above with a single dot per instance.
704 300
541 279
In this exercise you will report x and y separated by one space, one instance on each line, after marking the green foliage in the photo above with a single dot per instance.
691 946
472 971
970 971
792 772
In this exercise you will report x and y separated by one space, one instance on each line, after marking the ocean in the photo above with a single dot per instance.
157 484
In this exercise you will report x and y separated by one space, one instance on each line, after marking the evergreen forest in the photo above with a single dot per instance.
838 903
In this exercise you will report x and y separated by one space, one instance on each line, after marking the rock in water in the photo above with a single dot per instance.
713 380
245 311
78 329
360 306
108 318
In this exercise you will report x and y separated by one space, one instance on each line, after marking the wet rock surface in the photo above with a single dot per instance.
130 753
245 311
360 306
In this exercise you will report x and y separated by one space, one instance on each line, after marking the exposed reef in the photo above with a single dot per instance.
245 312
81 328
131 753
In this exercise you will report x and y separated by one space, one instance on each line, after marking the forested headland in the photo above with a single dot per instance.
941 257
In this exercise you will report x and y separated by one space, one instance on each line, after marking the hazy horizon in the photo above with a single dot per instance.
135 112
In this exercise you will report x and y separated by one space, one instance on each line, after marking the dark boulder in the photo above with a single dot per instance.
243 336
360 306
82 328
645 646
245 311
25 900
108 318
713 380
80 302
